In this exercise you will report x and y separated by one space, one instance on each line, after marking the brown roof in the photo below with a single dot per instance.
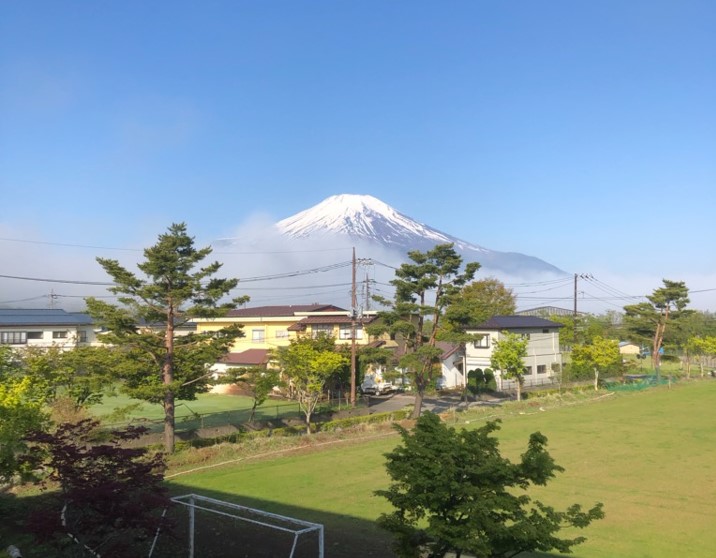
249 357
284 310
448 349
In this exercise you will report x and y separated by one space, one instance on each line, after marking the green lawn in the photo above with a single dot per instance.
648 456
216 410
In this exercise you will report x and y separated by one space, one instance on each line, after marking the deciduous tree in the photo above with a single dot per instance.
508 356
158 364
111 496
477 302
701 347
453 492
258 380
308 364
21 411
600 355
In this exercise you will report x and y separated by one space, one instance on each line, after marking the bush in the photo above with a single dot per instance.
340 424
481 381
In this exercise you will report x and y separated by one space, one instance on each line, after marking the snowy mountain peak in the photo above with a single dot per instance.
360 217
373 223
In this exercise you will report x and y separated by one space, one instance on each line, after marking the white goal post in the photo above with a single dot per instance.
295 529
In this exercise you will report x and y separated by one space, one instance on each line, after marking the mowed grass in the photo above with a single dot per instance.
217 409
649 456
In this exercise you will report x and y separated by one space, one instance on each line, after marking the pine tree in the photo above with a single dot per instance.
157 364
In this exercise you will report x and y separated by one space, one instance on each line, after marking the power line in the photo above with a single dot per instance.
67 245
66 281
322 269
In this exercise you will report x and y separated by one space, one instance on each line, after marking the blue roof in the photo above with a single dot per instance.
14 317
516 322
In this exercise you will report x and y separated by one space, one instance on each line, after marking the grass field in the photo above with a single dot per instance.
208 410
648 456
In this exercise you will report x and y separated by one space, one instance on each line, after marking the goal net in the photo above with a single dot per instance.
204 527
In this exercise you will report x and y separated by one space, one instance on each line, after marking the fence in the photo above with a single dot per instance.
189 421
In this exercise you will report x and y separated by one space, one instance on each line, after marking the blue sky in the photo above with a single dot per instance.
583 133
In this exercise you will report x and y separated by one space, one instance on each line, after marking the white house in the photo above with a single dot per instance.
543 354
48 327
452 366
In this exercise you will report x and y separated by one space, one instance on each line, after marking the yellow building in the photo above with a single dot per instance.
270 327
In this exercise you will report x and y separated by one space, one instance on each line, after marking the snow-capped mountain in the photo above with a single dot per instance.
365 219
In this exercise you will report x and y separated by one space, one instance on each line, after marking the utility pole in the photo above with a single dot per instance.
367 291
354 317
575 298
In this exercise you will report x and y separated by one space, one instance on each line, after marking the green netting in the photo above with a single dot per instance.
637 383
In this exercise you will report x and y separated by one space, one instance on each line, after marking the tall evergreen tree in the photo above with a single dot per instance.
423 288
649 319
158 365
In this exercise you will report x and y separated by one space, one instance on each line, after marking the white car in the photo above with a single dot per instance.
377 388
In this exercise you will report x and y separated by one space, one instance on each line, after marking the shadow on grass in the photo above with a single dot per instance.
218 537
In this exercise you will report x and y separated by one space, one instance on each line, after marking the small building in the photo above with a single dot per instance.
543 352
452 366
629 348
47 327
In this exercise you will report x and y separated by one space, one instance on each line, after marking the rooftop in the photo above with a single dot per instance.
16 317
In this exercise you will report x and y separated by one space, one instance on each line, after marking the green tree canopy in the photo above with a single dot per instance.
21 412
158 364
258 380
307 365
601 355
454 493
508 356
477 302
423 288
648 320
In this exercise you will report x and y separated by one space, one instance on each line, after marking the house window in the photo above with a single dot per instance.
528 370
257 335
13 338
541 369
281 334
545 331
34 335
82 336
345 332
59 335
483 342
321 329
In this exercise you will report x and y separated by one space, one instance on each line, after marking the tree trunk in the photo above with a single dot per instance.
519 390
169 422
168 378
418 405
253 412
308 423
596 379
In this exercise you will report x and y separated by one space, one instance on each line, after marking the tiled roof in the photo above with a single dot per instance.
448 348
249 357
516 322
15 317
279 311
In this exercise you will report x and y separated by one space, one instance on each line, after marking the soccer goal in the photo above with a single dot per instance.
215 528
